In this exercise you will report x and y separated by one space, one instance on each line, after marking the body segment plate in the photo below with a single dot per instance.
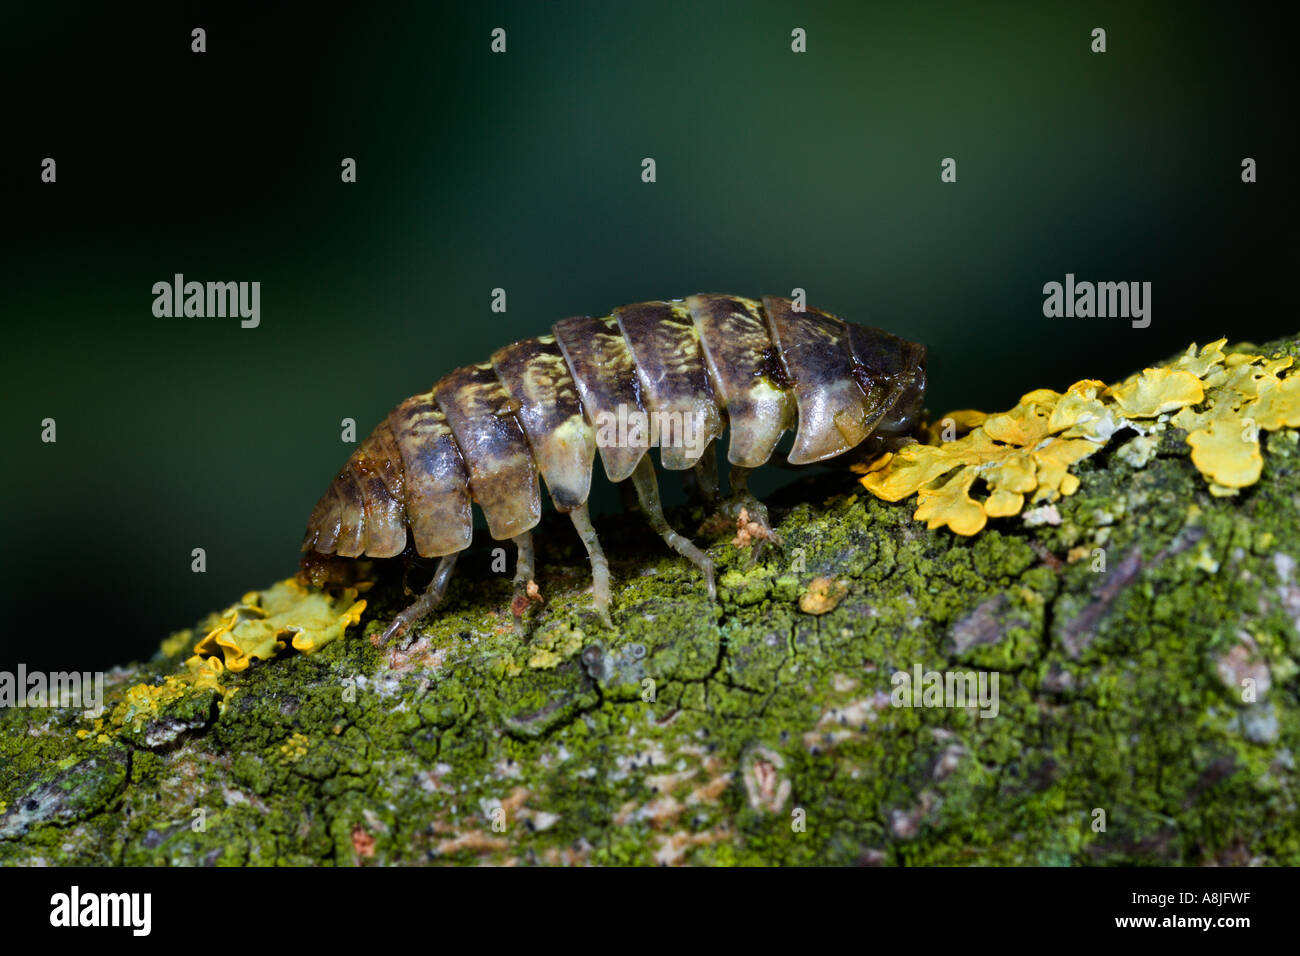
502 474
563 442
675 385
834 412
602 367
746 375
437 480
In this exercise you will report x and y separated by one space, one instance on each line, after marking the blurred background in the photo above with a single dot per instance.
522 170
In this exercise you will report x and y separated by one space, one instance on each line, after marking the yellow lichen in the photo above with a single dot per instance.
1221 401
1277 404
554 647
823 595
951 504
1014 453
204 671
295 748
145 701
505 667
263 623
957 423
1156 390
258 627
177 642
1227 452
1200 363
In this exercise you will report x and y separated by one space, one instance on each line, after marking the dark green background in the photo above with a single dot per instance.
522 170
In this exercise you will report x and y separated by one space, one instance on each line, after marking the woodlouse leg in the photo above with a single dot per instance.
407 565
753 527
599 564
523 578
647 490
705 472
626 496
426 602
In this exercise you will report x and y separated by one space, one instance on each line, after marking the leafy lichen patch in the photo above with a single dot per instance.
1221 400
263 623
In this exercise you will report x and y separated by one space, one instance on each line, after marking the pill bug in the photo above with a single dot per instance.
599 386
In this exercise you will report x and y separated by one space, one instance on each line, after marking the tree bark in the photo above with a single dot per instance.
749 730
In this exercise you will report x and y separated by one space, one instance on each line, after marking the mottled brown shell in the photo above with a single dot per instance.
484 433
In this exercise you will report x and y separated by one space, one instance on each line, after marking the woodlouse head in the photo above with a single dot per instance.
883 359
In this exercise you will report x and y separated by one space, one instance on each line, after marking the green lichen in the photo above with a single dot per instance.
1145 640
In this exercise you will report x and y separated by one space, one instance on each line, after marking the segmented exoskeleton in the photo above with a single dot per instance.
601 385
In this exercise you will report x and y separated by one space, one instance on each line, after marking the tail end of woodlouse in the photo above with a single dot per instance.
328 570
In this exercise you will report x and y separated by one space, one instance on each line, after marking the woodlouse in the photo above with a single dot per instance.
550 404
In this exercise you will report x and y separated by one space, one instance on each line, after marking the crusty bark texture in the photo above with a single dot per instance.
1144 648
